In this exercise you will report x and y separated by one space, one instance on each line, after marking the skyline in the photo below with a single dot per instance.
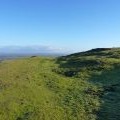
37 49
63 24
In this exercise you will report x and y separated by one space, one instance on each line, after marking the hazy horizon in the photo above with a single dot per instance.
38 50
35 49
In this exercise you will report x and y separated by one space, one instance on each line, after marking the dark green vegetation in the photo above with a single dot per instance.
82 86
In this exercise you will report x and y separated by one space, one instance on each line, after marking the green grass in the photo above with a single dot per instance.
82 86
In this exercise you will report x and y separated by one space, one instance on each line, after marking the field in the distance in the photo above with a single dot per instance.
82 86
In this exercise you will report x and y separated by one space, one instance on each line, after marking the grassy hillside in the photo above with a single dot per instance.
82 86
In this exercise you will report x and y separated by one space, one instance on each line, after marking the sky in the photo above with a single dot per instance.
73 25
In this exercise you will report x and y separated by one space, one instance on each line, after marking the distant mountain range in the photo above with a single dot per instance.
9 52
44 50
31 49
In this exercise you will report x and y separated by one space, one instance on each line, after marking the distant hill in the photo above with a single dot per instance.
28 50
80 86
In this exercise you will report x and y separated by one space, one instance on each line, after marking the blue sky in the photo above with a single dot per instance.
70 24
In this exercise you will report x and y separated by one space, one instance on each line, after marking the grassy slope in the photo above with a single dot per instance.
82 86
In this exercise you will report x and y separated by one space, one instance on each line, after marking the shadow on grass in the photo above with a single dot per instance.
108 81
110 99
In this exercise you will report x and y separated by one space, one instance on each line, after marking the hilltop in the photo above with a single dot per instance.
80 86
